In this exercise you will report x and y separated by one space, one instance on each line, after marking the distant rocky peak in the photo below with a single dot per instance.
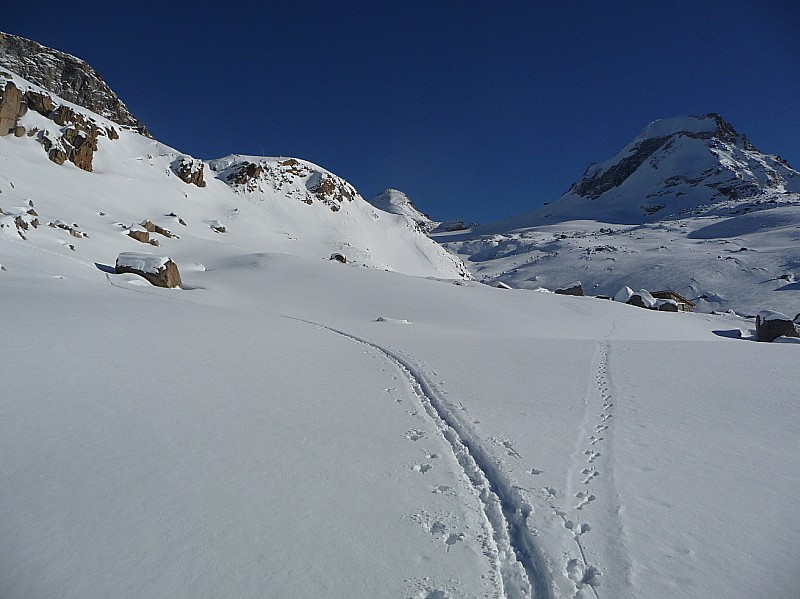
686 149
65 76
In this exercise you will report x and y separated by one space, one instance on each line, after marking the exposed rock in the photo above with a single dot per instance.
65 76
159 271
12 108
151 227
189 170
19 131
140 236
572 289
246 172
57 155
332 191
41 103
218 227
642 299
771 325
666 305
339 258
80 147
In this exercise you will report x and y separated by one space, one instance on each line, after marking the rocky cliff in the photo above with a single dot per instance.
65 76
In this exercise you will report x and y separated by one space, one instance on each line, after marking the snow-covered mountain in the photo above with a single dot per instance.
66 76
397 202
283 425
688 205
78 184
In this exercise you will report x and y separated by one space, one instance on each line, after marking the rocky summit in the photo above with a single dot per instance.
66 76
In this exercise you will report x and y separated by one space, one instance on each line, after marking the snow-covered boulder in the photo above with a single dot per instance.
666 305
643 299
623 295
572 289
158 270
771 325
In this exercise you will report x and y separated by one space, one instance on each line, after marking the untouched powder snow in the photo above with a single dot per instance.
277 440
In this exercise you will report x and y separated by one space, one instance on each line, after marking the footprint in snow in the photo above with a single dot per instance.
414 435
422 468
585 498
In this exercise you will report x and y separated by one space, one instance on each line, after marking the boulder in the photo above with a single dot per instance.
41 103
189 170
158 270
139 235
572 289
12 107
642 299
771 325
623 295
665 305
339 258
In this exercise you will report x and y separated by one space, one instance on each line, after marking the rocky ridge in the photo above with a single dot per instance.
65 76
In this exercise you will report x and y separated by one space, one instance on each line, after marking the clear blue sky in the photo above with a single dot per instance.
477 110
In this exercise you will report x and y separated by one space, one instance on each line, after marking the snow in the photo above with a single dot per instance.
772 315
144 262
269 432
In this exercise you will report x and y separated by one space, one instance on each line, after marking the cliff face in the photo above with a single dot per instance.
65 76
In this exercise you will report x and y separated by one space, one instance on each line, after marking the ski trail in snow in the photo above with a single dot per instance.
521 563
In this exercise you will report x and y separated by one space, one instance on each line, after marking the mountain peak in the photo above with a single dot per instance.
66 76
674 165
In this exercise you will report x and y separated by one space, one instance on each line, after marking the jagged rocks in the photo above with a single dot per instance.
246 172
12 108
65 76
572 289
139 235
771 325
332 191
189 170
41 103
341 258
159 271
151 227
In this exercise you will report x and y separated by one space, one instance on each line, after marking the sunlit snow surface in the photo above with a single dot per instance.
289 426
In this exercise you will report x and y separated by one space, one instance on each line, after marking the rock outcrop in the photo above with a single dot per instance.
572 289
771 325
159 271
12 108
66 76
189 170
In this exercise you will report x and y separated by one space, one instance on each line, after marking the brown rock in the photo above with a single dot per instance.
140 236
57 155
166 275
41 103
12 107
19 131
189 170
154 228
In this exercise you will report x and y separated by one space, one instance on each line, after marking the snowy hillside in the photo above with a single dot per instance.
397 202
287 425
67 165
689 205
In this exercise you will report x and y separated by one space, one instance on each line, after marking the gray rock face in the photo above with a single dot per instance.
66 76
771 325
571 289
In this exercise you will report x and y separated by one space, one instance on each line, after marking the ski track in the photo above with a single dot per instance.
521 563
522 566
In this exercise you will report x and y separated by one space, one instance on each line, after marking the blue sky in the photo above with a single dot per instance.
477 110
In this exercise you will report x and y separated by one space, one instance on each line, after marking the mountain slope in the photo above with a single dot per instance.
689 205
78 170
65 76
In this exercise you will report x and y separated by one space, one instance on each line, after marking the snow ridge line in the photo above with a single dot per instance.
522 565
